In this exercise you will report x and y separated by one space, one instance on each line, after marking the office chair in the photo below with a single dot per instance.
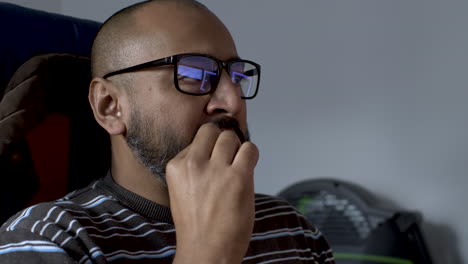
49 141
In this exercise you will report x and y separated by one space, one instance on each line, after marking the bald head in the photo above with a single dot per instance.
115 42
151 119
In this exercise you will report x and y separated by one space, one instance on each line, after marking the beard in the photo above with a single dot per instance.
154 149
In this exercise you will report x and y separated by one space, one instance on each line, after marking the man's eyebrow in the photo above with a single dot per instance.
234 58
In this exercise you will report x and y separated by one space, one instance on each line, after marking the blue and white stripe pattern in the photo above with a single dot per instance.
30 245
97 225
23 215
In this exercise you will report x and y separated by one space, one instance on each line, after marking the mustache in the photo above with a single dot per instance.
230 123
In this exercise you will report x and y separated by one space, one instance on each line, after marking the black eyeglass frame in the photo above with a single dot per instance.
174 60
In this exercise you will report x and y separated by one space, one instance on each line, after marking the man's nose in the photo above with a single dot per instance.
226 98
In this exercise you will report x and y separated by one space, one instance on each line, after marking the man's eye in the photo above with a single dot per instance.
189 74
188 82
187 78
237 81
237 78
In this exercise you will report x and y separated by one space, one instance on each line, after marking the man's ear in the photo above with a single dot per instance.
106 101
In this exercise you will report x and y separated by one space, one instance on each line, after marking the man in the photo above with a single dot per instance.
170 90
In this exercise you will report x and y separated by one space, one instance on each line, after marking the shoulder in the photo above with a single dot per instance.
56 211
43 231
59 226
57 220
282 228
272 207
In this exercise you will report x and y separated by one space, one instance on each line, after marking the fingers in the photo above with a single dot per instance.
204 141
247 156
210 143
226 147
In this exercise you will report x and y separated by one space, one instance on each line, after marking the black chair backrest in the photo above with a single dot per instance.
27 32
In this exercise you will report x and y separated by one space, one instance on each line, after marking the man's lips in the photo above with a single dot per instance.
230 123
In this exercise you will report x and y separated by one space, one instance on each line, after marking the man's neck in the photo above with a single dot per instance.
129 173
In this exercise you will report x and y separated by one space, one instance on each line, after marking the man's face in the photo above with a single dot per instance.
162 120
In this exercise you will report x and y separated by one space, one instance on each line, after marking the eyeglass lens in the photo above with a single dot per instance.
199 75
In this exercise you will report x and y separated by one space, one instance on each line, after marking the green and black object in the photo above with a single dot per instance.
359 230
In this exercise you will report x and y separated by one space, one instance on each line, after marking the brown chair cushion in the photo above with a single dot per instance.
49 141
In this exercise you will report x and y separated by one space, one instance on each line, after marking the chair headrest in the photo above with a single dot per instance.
44 84
27 32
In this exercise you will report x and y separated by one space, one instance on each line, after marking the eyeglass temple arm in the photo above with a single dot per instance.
150 64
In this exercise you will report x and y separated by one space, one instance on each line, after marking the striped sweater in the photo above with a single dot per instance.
105 223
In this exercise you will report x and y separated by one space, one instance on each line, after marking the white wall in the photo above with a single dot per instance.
46 5
372 92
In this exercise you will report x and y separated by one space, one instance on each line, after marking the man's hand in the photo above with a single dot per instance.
212 197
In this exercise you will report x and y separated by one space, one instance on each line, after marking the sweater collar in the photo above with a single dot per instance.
135 202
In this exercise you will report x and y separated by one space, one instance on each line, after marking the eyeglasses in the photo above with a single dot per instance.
199 74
